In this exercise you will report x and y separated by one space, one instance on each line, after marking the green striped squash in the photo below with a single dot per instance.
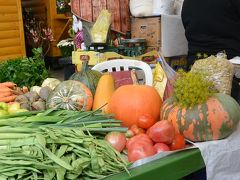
213 120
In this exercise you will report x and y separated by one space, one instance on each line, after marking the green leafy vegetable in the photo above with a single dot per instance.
35 146
25 71
191 89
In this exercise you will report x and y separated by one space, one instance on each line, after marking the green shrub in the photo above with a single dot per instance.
25 71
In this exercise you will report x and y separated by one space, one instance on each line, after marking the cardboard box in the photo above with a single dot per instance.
148 28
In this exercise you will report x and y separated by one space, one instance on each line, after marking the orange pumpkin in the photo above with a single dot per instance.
213 120
129 102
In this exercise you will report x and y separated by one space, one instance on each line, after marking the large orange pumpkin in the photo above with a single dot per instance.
131 101
213 120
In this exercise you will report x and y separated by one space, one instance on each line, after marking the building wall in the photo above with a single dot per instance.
11 30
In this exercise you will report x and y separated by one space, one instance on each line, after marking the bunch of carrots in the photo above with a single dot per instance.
9 91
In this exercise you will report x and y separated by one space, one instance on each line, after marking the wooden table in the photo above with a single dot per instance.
172 167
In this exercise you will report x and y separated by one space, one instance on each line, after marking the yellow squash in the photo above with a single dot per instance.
104 91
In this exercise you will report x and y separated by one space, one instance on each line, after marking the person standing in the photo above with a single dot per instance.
212 26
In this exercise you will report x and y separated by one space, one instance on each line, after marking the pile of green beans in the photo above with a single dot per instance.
58 145
62 154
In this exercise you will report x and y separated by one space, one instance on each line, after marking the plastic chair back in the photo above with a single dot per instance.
125 65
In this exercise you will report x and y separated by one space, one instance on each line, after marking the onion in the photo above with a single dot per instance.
117 140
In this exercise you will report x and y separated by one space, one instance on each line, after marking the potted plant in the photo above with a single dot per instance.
37 33
63 7
66 47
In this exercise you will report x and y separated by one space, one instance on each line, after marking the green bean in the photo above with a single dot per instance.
40 147
60 172
94 175
80 153
77 147
9 169
62 150
57 159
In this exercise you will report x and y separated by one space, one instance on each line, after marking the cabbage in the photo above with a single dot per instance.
36 89
51 83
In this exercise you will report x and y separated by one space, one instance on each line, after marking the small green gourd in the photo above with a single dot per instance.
87 76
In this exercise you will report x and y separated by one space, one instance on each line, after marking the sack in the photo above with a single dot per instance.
163 7
171 78
100 29
218 70
159 80
141 8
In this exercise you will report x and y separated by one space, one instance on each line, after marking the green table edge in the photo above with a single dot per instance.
172 167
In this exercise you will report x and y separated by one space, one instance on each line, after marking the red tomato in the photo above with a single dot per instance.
178 142
146 121
140 150
162 132
160 147
117 140
136 130
147 132
141 137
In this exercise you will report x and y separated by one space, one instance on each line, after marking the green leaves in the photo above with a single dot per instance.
57 144
26 71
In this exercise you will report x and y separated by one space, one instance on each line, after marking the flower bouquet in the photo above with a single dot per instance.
66 47
37 32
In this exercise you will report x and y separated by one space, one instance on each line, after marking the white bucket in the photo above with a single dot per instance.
141 8
163 7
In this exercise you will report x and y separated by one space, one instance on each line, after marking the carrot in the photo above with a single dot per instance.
8 98
17 91
8 84
5 94
5 89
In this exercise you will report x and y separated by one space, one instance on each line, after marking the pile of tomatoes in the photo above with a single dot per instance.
146 138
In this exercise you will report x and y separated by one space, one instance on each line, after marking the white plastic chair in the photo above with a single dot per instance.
125 65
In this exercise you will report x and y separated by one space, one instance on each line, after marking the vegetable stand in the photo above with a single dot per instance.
174 166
